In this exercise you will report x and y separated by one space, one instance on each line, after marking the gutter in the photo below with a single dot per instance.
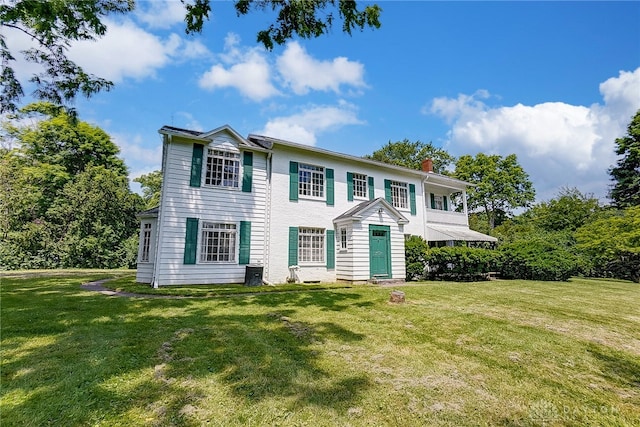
267 220
166 143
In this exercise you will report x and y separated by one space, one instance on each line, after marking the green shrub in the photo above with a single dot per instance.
415 249
461 263
546 256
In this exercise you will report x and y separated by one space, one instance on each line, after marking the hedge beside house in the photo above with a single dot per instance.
536 258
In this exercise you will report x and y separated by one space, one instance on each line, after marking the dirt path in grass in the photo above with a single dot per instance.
97 287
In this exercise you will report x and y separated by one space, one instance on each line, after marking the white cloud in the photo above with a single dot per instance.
162 14
451 108
255 74
558 144
134 149
17 41
303 73
304 127
248 71
116 57
187 121
125 51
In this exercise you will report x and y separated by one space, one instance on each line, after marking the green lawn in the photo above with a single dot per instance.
511 353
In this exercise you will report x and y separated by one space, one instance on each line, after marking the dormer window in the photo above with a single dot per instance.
223 169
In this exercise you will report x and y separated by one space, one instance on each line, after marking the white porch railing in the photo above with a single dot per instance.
446 217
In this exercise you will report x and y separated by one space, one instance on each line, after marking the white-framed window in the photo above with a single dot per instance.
311 245
399 195
438 202
360 185
222 169
311 181
146 242
218 242
343 238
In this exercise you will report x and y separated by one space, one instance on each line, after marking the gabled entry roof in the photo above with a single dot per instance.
356 213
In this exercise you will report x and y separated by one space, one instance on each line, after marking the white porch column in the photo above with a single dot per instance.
464 202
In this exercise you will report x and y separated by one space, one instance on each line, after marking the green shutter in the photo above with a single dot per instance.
372 189
191 241
330 187
196 165
245 242
433 201
293 181
349 186
331 249
247 172
412 198
444 201
293 246
387 191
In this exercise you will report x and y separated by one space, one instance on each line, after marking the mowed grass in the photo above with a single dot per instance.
512 353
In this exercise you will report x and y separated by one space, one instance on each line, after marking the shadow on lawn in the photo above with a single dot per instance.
618 368
326 300
73 357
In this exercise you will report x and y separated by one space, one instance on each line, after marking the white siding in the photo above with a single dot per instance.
316 213
180 201
355 264
144 270
271 214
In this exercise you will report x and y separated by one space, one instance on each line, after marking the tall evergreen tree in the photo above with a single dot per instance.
626 175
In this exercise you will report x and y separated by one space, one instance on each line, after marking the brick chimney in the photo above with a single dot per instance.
427 165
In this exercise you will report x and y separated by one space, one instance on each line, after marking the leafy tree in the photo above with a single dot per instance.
303 18
411 154
58 138
501 184
569 211
613 244
54 24
151 186
64 197
626 175
95 216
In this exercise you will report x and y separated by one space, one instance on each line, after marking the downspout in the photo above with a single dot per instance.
166 142
267 222
424 208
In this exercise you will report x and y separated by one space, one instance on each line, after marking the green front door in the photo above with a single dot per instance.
380 251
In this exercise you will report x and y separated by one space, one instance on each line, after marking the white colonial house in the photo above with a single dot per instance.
300 213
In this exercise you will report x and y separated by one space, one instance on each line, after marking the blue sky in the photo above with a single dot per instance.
553 82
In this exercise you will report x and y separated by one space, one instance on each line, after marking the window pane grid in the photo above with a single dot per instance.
343 238
399 194
437 200
359 185
218 242
311 245
223 169
146 243
311 181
